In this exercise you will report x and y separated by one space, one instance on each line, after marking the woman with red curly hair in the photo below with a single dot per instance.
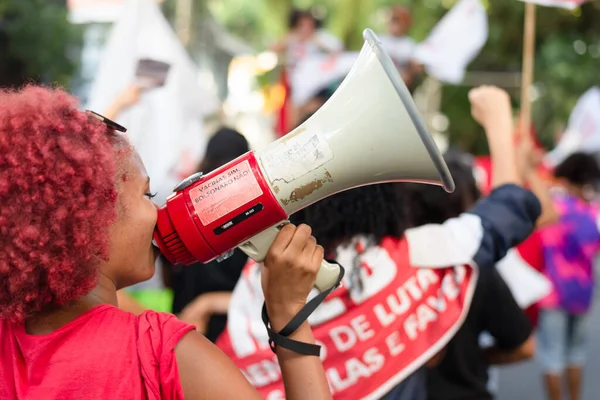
76 225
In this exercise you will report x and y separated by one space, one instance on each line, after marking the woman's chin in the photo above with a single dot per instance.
148 273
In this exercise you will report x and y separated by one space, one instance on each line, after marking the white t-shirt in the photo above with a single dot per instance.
400 49
321 42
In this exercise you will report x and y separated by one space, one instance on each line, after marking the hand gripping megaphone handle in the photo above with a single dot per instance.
257 247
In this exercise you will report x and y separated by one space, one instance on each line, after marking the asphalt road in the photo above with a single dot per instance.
523 381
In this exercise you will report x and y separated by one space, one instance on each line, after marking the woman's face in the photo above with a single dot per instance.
132 255
306 27
397 23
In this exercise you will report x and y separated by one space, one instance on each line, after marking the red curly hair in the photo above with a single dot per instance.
58 198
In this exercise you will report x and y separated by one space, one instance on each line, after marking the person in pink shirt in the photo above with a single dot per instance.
76 223
569 248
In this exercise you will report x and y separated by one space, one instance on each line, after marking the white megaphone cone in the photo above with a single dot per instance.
368 132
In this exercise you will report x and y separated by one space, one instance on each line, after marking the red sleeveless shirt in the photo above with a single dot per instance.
105 353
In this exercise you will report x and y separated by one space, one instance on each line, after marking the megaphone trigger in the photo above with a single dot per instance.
257 247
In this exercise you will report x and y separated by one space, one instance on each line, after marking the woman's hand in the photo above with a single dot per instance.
289 273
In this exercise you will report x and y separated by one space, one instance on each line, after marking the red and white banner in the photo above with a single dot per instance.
569 4
372 338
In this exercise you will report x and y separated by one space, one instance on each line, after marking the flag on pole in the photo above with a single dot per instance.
454 42
583 130
568 4
87 11
317 72
166 126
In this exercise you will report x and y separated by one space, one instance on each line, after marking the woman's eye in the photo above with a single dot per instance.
151 195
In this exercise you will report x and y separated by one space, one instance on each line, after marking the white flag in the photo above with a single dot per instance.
583 130
568 4
166 126
86 11
316 72
454 42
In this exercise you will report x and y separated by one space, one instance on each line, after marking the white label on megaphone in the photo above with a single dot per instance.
296 157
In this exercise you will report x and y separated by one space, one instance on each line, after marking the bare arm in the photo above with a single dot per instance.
539 187
528 161
124 100
497 356
490 107
303 376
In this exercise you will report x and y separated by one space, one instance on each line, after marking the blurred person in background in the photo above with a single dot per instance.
77 222
365 229
569 247
463 371
399 45
305 39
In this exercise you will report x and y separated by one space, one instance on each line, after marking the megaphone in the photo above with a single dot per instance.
369 132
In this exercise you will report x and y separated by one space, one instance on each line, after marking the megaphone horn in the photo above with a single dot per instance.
368 132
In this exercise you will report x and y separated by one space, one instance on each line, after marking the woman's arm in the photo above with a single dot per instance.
490 106
124 100
288 275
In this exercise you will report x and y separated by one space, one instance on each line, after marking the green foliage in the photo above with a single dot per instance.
561 74
37 43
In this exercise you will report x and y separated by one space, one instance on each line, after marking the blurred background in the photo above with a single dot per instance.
62 41
224 70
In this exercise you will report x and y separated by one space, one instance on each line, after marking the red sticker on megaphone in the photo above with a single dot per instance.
225 193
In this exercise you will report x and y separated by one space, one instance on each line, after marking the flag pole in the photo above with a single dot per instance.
528 62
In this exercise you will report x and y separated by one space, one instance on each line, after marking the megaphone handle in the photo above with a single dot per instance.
257 247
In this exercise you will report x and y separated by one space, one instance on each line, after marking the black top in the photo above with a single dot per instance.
462 374
192 281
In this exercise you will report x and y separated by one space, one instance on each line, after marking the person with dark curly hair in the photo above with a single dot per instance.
76 223
569 247
407 289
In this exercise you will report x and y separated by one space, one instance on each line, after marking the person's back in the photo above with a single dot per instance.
463 372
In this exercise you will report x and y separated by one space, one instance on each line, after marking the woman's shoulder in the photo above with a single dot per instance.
161 329
160 332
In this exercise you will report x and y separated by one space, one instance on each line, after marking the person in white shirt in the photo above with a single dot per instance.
304 40
399 45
